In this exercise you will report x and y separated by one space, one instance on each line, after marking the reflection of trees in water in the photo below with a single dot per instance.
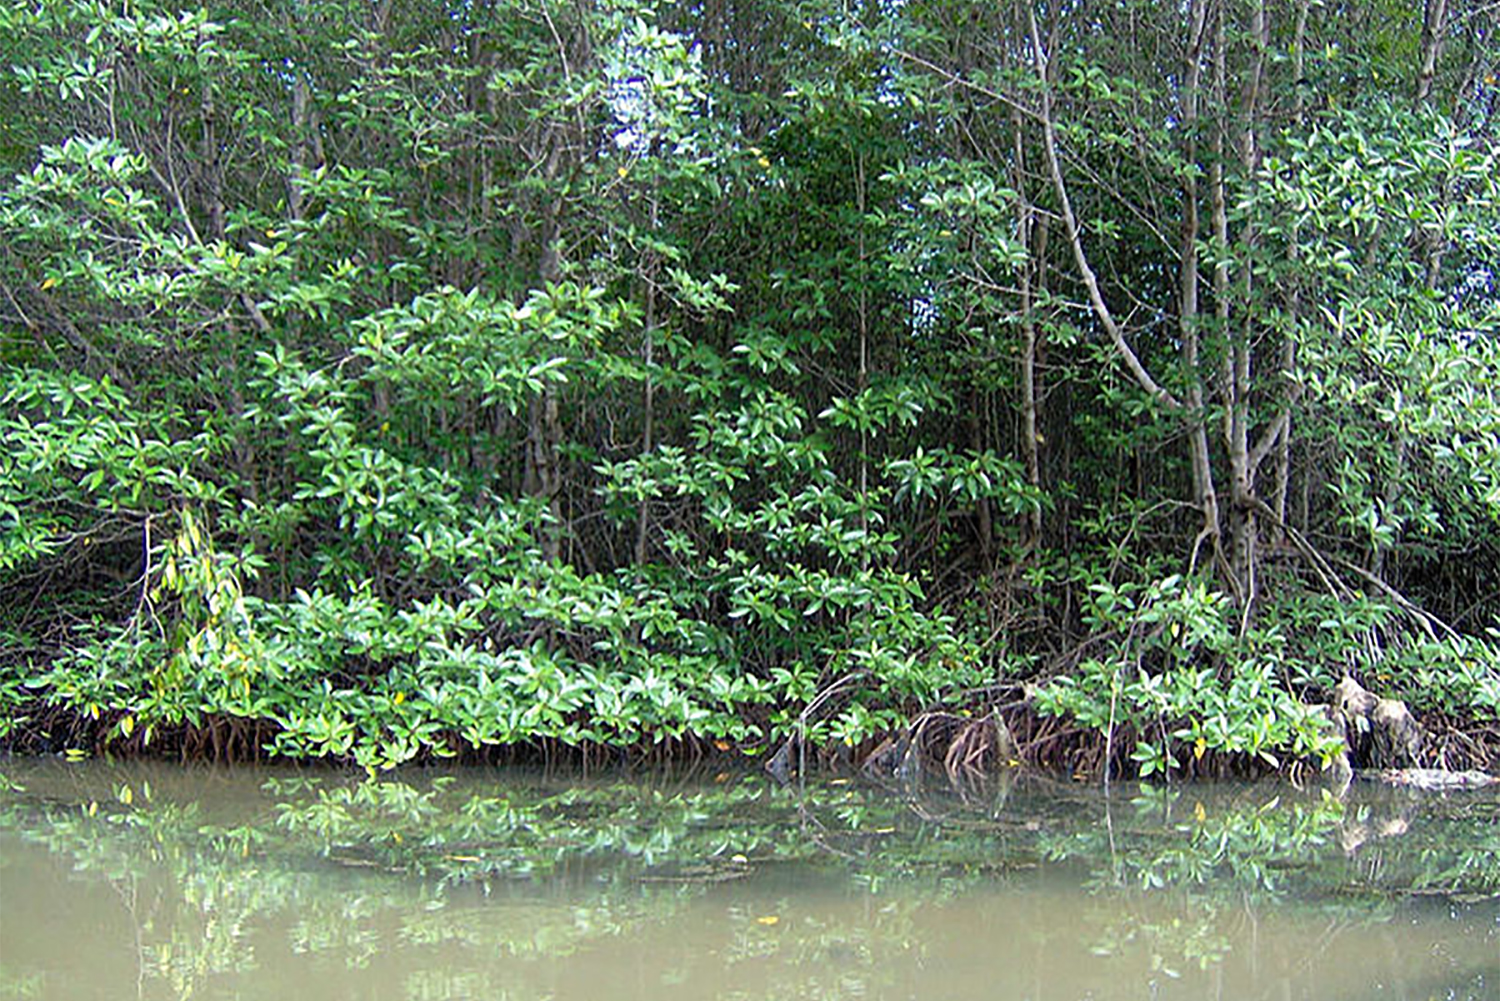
456 878
1336 865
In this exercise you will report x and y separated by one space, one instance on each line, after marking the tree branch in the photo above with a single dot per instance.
1075 237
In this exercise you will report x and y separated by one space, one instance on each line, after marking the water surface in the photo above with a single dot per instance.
140 881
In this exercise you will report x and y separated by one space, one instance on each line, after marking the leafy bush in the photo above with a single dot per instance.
1179 682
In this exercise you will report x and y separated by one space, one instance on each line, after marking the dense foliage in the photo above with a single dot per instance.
389 380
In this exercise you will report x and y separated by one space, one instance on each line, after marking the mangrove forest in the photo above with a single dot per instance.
1106 386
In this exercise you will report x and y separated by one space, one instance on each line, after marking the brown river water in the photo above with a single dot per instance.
142 881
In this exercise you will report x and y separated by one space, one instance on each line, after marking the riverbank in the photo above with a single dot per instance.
973 741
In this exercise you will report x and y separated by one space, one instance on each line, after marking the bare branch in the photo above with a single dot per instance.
1075 237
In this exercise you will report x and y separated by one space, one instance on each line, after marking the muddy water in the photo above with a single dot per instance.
148 882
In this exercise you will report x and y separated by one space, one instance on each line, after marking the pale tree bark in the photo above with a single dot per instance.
1434 28
1239 127
1205 495
1243 461
1220 215
1086 273
1193 410
1238 118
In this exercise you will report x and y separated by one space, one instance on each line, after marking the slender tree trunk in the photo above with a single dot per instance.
1033 234
864 350
1097 302
1222 310
1434 28
211 183
545 432
1205 495
1237 365
1288 360
648 403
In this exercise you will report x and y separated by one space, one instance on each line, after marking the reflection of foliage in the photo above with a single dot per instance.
457 874
1309 847
1251 846
19 986
1200 943
1434 846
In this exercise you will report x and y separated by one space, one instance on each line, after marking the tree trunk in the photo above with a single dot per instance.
1205 495
1244 460
1288 358
1434 27
648 402
1034 235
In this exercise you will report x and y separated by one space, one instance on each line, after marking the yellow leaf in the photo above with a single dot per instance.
126 795
768 920
1199 748
93 808
622 171
763 162
48 283
739 860
1199 814
127 725
400 698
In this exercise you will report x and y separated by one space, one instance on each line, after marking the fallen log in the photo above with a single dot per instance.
1430 779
